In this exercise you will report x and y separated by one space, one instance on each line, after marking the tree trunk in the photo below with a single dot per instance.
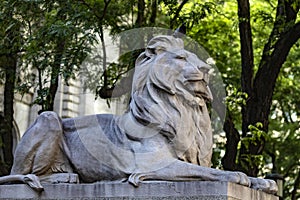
60 46
9 88
233 138
153 13
141 14
246 55
9 64
296 186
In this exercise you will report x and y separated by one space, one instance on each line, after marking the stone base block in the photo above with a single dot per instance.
147 190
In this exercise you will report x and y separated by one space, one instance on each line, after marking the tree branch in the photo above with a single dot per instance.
122 88
172 22
100 18
268 72
285 15
105 8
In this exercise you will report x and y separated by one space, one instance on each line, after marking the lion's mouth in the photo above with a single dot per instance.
200 94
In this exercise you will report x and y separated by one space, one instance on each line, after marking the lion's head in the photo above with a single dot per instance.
170 90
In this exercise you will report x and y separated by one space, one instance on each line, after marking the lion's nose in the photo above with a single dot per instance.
204 68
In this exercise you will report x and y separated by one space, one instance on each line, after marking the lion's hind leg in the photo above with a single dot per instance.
40 149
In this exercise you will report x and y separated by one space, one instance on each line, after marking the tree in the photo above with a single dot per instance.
9 48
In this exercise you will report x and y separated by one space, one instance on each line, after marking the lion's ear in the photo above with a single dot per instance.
150 52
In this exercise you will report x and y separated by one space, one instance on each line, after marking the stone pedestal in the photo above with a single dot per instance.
147 190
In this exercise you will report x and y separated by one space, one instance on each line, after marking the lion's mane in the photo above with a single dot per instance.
160 99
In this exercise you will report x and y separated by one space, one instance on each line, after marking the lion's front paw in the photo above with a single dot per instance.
135 179
33 181
266 185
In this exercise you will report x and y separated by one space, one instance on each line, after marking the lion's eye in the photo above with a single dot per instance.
180 57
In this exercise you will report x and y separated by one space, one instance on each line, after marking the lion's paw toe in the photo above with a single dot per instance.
244 179
266 185
135 179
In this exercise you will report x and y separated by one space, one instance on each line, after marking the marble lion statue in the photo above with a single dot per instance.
164 135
